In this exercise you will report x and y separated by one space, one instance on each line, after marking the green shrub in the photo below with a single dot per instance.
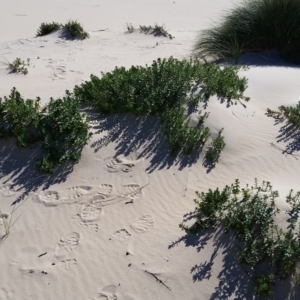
263 285
214 152
59 126
180 135
76 30
248 213
20 118
47 28
291 113
164 89
18 66
65 132
254 25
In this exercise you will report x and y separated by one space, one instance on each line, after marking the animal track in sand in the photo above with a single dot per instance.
68 264
108 292
7 190
143 224
122 235
67 196
67 244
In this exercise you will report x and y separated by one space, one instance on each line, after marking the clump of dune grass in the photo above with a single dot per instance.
47 28
18 66
253 26
156 30
76 30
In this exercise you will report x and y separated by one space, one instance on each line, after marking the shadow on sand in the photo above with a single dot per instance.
138 134
17 166
288 134
234 281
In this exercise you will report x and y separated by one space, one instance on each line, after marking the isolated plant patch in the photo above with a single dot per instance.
59 126
266 251
47 28
18 66
76 30
155 30
165 89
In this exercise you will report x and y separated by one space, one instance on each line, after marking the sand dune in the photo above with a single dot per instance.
108 227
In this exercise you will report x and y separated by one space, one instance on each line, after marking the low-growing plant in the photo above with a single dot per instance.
65 132
20 118
248 213
59 126
263 285
292 114
217 145
180 135
18 66
47 28
164 89
76 30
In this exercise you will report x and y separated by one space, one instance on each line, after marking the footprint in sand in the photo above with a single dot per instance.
143 224
7 190
68 264
67 244
120 163
129 190
108 292
122 235
67 196
105 189
93 227
6 295
90 212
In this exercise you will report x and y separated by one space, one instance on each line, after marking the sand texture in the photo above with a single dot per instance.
107 228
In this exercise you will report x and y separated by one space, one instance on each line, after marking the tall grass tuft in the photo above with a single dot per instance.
253 26
47 28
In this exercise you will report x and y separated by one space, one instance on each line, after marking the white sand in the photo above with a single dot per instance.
114 218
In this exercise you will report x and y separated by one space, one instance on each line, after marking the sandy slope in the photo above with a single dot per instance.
105 224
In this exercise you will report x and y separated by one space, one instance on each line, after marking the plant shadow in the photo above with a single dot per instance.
234 279
269 58
17 167
288 134
141 135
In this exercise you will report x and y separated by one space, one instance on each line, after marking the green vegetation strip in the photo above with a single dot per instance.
165 89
